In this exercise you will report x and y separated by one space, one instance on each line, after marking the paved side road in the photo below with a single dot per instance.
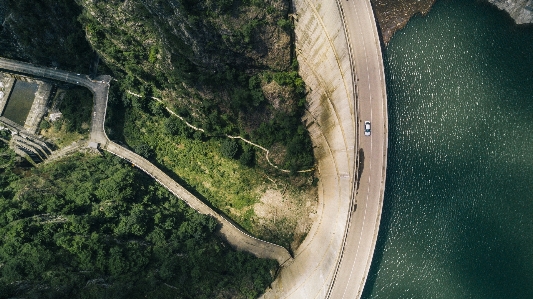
228 230
100 88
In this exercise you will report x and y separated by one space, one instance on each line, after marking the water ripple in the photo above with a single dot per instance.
459 196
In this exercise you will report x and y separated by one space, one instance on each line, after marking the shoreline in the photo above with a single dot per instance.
392 16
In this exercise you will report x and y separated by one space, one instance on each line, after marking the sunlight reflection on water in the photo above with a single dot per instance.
459 196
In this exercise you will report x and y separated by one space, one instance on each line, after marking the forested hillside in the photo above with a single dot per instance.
45 33
224 65
94 227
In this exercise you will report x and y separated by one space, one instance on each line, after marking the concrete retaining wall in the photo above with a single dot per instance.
7 86
325 66
38 108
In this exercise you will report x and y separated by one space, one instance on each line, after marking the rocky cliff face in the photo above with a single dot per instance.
520 10
189 36
196 54
44 32
393 15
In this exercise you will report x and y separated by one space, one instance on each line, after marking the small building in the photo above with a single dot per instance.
55 116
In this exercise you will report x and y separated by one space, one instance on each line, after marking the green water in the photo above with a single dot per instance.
458 212
20 102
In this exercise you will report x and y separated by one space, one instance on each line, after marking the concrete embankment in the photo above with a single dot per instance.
394 15
325 66
6 87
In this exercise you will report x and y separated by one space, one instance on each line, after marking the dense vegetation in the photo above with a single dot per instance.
228 69
44 32
75 103
76 107
213 61
218 169
94 227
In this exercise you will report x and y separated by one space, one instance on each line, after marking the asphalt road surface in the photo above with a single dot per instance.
361 238
98 86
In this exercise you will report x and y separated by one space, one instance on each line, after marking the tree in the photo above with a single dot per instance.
157 109
144 150
153 239
171 126
229 148
247 158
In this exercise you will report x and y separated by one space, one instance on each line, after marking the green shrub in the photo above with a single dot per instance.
144 150
44 125
157 109
285 24
172 126
229 148
152 55
247 158
58 124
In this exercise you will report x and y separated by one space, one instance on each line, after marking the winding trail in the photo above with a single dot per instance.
267 152
99 86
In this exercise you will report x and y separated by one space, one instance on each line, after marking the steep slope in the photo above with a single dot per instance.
393 15
520 10
214 62
44 32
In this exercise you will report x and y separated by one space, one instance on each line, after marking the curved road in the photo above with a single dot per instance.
363 226
228 230
340 60
100 87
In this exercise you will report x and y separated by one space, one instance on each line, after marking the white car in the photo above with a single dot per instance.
367 128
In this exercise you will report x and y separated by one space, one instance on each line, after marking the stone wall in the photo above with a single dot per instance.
6 86
39 107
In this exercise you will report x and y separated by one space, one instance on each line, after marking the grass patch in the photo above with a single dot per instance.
226 183
75 104
60 136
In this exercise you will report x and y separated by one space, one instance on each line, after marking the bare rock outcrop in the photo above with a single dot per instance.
520 10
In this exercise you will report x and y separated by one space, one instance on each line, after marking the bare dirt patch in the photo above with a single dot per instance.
287 212
280 97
